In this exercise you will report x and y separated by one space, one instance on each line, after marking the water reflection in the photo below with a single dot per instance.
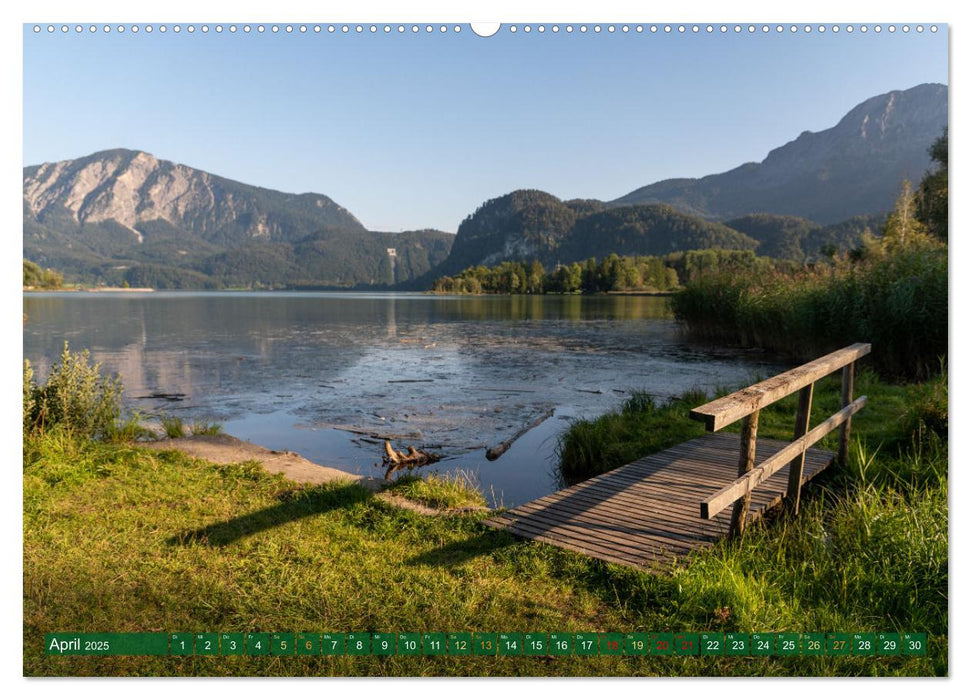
297 370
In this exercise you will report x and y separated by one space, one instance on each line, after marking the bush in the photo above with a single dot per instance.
76 397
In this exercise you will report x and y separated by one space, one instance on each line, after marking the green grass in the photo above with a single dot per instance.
642 426
175 427
203 427
870 542
439 491
894 414
118 538
121 538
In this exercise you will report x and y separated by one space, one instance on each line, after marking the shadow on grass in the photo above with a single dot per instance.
295 505
456 553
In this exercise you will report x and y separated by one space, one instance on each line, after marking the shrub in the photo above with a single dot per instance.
76 396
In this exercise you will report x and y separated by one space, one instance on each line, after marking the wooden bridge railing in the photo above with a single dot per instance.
747 403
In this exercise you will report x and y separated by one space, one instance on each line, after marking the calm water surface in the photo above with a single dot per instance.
316 373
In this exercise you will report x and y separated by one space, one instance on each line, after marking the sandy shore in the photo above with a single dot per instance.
226 449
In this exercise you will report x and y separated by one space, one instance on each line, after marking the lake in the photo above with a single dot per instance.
322 373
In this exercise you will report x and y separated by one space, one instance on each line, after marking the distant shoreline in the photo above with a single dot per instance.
90 289
628 293
625 293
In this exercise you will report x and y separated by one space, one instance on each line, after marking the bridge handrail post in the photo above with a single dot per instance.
746 462
746 404
796 466
846 400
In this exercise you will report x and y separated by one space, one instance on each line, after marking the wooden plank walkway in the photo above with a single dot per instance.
646 514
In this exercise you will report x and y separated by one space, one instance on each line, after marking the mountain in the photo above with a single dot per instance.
123 215
778 236
854 168
802 240
530 224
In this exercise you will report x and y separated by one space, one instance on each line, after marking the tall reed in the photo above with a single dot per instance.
894 298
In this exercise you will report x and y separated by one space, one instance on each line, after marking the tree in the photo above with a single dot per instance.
932 191
902 225
534 283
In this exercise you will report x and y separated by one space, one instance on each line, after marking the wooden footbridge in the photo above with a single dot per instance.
667 505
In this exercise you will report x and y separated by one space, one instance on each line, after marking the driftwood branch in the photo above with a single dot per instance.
395 460
497 451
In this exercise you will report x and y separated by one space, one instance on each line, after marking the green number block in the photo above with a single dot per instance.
231 644
459 644
383 644
838 644
409 644
662 643
585 643
333 644
181 643
762 644
686 644
561 644
611 644
358 643
207 644
308 644
915 643
736 644
637 644
812 644
257 643
712 643
281 644
510 644
484 643
536 644
787 644
434 644
888 644
864 644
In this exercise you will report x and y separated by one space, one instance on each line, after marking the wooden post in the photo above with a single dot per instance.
746 461
844 447
796 465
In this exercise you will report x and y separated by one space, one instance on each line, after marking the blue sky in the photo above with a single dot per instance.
414 131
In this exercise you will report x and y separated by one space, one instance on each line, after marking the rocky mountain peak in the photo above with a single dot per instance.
131 188
853 168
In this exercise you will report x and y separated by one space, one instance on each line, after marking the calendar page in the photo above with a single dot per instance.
517 348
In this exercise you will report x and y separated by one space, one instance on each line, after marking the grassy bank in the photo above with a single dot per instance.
120 538
894 297
871 539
